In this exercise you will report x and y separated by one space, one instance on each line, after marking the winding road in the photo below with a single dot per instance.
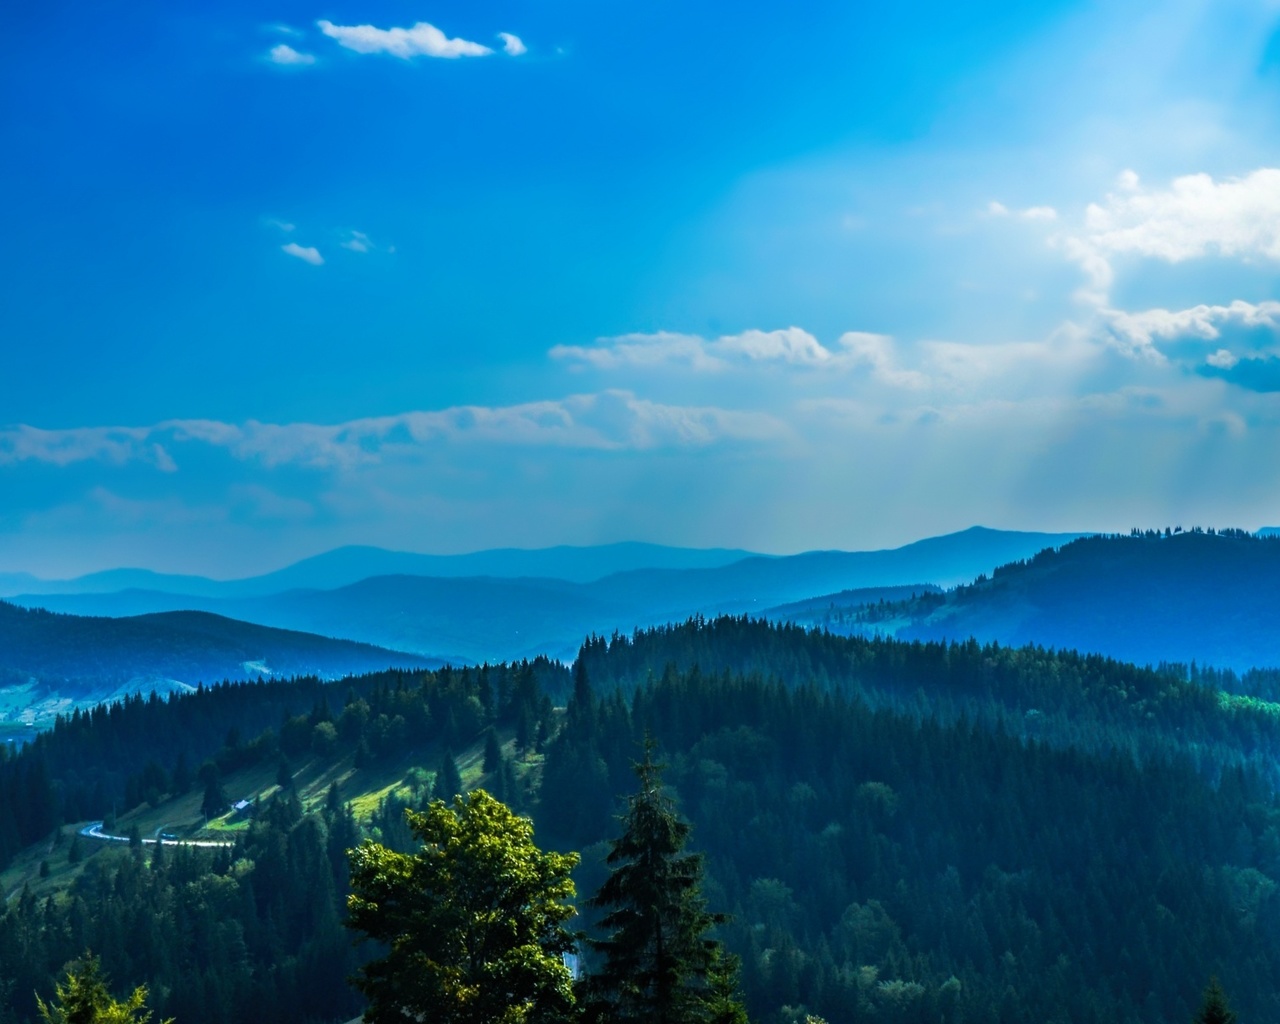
93 830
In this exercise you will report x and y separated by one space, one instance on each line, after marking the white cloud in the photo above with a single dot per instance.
357 242
1203 321
281 225
792 346
1039 213
306 253
1223 359
422 40
998 209
512 44
1195 217
286 54
860 361
113 445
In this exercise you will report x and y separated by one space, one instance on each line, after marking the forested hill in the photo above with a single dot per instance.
1209 597
895 835
78 656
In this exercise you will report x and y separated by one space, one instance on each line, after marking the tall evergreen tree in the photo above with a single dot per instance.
1214 1008
657 957
215 797
85 999
492 751
448 779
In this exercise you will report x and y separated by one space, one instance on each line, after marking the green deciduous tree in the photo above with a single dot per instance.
473 922
659 965
85 999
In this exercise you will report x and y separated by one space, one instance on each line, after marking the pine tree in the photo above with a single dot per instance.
658 962
1214 1008
723 1000
85 999
448 779
492 751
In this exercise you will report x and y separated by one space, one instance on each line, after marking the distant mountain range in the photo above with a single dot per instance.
51 663
347 565
1193 596
493 617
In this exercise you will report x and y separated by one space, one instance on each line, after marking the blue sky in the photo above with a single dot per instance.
446 276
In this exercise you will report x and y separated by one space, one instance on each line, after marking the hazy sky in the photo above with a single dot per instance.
444 276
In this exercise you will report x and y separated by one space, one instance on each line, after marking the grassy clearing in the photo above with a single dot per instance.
362 788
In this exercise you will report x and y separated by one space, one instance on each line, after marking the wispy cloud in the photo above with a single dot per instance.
306 253
357 241
283 53
112 445
610 420
420 40
1042 213
791 345
513 45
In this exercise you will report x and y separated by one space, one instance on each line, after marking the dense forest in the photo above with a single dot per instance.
895 831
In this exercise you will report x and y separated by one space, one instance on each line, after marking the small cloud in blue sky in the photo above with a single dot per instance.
1040 213
420 40
283 53
357 241
513 45
306 253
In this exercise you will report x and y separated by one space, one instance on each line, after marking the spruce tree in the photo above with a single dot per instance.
84 998
658 962
723 1000
1214 1008
448 779
492 751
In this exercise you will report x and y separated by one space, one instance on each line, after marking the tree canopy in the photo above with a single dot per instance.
84 998
473 921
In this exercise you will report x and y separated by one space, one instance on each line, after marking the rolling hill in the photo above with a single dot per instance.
1209 597
52 662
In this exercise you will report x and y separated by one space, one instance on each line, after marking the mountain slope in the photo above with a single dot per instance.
49 662
1207 597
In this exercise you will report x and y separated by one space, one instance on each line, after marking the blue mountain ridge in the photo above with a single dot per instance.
490 618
